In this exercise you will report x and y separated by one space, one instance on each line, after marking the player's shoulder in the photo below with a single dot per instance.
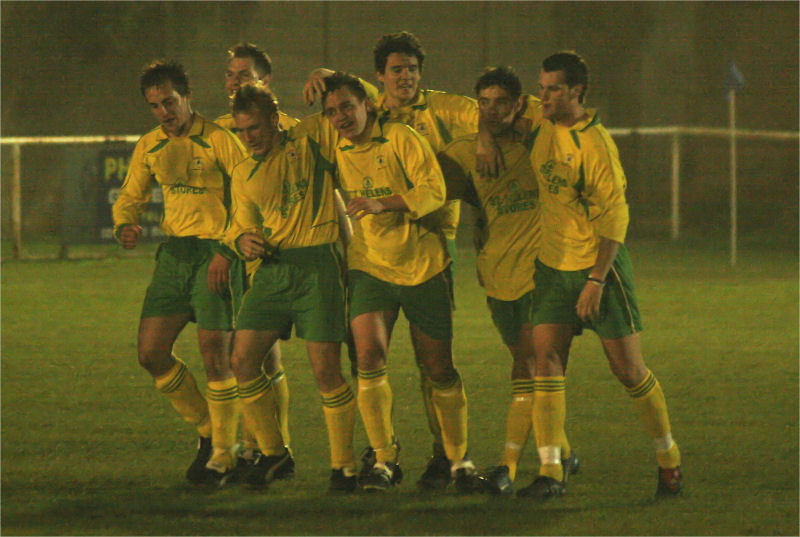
442 99
245 168
152 138
226 121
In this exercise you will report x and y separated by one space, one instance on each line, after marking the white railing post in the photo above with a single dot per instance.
675 198
16 201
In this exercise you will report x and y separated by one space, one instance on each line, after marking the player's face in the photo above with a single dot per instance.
256 131
348 114
557 98
170 108
241 71
400 78
497 109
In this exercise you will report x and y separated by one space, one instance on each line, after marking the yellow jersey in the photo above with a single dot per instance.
404 248
440 118
509 228
194 174
286 196
581 191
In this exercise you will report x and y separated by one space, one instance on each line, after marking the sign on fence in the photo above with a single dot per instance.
112 168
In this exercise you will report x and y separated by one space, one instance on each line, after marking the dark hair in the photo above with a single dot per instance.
340 80
402 42
574 67
254 99
160 72
261 62
505 77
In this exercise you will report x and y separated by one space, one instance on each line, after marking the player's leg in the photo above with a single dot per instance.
618 330
173 378
339 409
259 406
157 335
222 394
551 343
627 364
273 367
371 335
373 309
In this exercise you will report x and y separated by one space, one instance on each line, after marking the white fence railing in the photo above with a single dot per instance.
674 132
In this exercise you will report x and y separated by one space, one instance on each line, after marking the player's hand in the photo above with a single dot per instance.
218 274
315 85
488 157
358 208
129 236
588 307
252 246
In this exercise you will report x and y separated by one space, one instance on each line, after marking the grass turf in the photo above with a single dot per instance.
90 448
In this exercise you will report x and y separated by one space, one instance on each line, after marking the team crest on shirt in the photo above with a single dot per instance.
570 158
197 164
292 154
421 128
367 182
381 161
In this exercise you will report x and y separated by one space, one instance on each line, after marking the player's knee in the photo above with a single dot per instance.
155 360
371 357
441 373
629 375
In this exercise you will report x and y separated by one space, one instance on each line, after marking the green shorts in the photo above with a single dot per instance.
510 315
428 305
557 293
179 284
301 287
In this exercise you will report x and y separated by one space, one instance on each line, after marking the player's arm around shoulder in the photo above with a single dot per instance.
457 160
419 167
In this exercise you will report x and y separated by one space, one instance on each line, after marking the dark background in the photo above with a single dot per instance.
71 68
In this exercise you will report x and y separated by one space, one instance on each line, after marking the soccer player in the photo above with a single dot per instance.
507 240
439 117
396 259
195 276
248 64
284 213
583 273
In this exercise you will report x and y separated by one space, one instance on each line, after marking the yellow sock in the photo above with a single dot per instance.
549 412
430 409
281 387
179 386
375 405
339 407
450 403
259 412
518 423
223 409
648 398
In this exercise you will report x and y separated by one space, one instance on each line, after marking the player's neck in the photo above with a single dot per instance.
184 129
576 113
391 102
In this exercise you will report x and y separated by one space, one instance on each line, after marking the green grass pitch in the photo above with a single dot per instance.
90 448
